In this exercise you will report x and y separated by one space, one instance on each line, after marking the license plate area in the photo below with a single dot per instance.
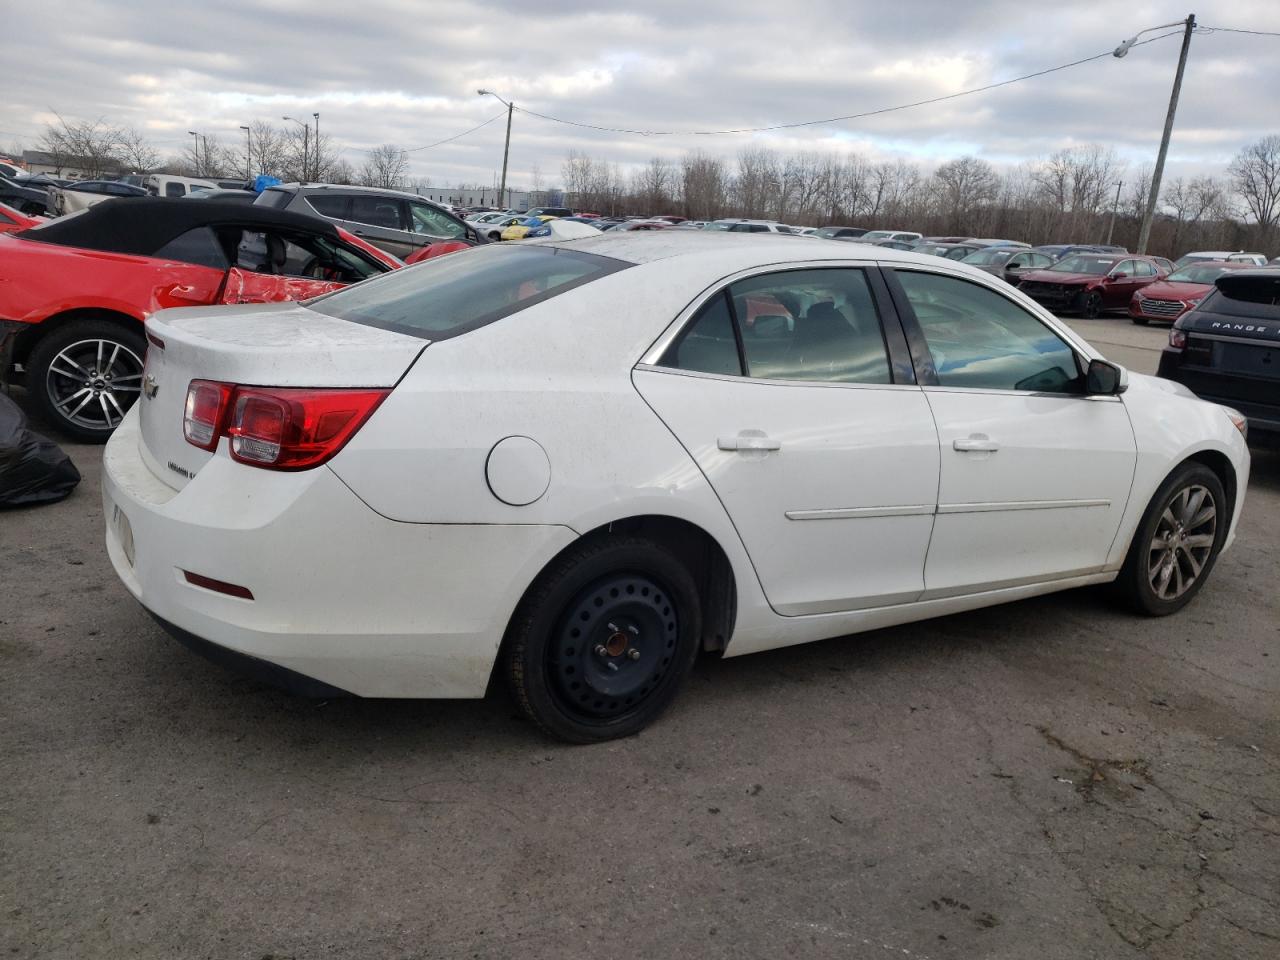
1250 359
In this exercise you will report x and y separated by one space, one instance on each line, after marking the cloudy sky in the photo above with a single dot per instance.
406 72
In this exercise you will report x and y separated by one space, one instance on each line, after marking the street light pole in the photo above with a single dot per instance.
195 137
506 148
317 160
1153 193
248 152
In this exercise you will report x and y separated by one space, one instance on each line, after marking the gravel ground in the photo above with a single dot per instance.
1049 779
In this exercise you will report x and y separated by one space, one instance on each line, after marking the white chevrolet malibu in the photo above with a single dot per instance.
579 464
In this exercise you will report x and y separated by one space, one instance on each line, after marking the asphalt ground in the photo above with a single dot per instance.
1051 779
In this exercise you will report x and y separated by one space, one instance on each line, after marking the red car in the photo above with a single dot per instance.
11 220
1091 283
75 291
1168 299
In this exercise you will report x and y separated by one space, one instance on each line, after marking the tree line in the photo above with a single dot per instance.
100 149
1081 194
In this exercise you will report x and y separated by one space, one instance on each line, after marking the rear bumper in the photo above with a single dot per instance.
344 600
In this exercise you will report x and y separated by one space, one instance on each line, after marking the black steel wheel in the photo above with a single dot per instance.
1177 542
85 375
1090 304
603 640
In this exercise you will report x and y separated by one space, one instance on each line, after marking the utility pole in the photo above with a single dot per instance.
317 161
1144 234
248 153
506 150
1111 228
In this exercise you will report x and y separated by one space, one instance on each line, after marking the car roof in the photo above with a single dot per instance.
741 251
142 225
348 188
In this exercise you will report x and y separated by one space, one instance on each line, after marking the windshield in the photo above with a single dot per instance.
448 296
988 258
877 235
1198 273
718 225
1093 266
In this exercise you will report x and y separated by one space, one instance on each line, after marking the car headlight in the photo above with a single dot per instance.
1239 420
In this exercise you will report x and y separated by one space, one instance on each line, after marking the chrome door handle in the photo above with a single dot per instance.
747 441
976 443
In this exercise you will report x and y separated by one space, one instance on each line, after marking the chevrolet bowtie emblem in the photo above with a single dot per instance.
150 387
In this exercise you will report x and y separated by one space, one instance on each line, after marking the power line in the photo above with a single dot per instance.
1256 33
459 136
852 116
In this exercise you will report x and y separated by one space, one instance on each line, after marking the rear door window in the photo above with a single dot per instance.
449 296
386 212
330 205
172 189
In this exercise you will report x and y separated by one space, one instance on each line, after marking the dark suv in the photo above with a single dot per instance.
399 223
1227 349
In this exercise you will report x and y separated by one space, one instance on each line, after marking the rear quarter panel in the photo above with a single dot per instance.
39 280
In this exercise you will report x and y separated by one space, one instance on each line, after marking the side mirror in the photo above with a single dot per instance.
1118 276
1105 379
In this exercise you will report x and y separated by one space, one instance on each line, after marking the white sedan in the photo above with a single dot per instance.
578 464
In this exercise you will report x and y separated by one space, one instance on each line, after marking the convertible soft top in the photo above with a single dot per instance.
143 225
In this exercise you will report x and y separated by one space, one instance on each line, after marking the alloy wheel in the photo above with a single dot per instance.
92 383
1183 541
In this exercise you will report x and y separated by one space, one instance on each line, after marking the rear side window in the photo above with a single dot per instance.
448 296
198 246
819 326
174 190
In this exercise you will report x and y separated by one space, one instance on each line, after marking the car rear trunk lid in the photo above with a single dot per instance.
265 345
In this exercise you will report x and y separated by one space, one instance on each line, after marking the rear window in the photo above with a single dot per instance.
274 198
447 296
1254 297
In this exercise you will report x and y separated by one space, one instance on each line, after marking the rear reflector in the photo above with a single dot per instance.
281 428
217 586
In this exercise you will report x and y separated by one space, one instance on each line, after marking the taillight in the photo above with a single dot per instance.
206 405
286 428
1177 339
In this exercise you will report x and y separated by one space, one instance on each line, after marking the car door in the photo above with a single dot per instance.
430 224
1119 284
811 430
383 221
1034 473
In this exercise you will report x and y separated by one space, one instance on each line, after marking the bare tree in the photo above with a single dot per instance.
960 187
704 184
654 186
91 146
385 167
1255 174
135 153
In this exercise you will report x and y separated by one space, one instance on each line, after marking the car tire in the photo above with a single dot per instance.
64 364
1171 542
603 639
1089 304
1140 321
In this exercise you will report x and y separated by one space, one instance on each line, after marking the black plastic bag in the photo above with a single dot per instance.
32 469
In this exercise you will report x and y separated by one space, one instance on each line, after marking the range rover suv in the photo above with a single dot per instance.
1227 349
